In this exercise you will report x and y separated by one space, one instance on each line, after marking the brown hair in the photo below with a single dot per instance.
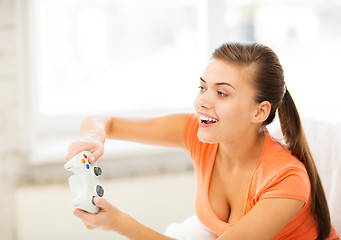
268 80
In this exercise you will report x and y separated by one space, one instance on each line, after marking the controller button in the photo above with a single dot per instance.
97 171
100 190
93 200
85 156
87 166
83 161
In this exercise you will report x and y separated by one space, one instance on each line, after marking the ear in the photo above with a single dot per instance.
262 112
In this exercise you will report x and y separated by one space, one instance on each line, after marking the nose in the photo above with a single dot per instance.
203 100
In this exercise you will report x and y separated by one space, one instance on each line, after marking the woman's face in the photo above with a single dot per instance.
225 105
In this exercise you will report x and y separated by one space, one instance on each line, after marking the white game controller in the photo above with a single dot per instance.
84 182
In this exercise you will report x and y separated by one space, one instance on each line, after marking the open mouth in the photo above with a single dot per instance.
207 120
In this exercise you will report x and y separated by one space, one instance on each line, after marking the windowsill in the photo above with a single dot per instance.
52 152
121 159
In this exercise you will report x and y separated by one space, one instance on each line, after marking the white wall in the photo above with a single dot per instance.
10 159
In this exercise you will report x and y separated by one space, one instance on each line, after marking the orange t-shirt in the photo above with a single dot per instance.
278 175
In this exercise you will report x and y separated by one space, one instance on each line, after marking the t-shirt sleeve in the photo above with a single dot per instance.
293 184
190 133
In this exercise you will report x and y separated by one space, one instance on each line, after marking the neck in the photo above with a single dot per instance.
243 152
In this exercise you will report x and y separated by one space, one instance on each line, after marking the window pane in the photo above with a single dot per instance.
306 36
115 55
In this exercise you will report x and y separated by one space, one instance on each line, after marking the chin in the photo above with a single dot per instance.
206 138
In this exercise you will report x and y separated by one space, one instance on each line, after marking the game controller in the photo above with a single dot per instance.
84 182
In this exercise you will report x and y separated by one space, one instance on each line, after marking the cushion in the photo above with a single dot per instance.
324 140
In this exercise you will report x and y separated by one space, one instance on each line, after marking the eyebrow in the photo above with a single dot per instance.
220 83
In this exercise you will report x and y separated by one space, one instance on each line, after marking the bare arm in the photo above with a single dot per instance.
265 220
165 131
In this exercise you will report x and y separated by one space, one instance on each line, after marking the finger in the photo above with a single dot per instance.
78 213
70 152
70 155
89 226
83 215
101 203
88 219
95 155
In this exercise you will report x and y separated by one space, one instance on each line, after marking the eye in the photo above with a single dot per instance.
221 94
202 89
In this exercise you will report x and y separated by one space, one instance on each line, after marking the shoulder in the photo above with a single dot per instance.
278 159
279 175
190 133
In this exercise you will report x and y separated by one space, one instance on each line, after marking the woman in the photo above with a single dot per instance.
248 185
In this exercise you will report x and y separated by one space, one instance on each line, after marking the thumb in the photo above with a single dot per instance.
101 203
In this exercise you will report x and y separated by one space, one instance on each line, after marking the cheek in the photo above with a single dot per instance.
234 115
227 112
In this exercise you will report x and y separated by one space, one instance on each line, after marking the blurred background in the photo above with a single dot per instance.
62 60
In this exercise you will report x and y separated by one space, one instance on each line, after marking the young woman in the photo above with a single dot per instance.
248 185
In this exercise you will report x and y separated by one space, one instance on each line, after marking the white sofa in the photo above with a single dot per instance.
324 140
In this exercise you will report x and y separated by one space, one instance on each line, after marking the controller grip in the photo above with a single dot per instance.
86 204
78 202
68 166
75 183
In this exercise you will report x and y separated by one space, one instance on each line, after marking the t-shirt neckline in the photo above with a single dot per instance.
212 161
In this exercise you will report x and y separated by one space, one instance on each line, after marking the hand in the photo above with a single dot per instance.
105 219
110 218
91 144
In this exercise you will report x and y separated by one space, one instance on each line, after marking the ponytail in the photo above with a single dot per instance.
296 142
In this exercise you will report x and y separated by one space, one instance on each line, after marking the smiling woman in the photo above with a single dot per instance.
254 102
249 186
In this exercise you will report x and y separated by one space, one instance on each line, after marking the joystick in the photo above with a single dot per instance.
84 182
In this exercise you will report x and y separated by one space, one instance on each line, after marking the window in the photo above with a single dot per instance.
305 35
114 56
121 57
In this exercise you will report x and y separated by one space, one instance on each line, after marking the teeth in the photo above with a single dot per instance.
204 118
